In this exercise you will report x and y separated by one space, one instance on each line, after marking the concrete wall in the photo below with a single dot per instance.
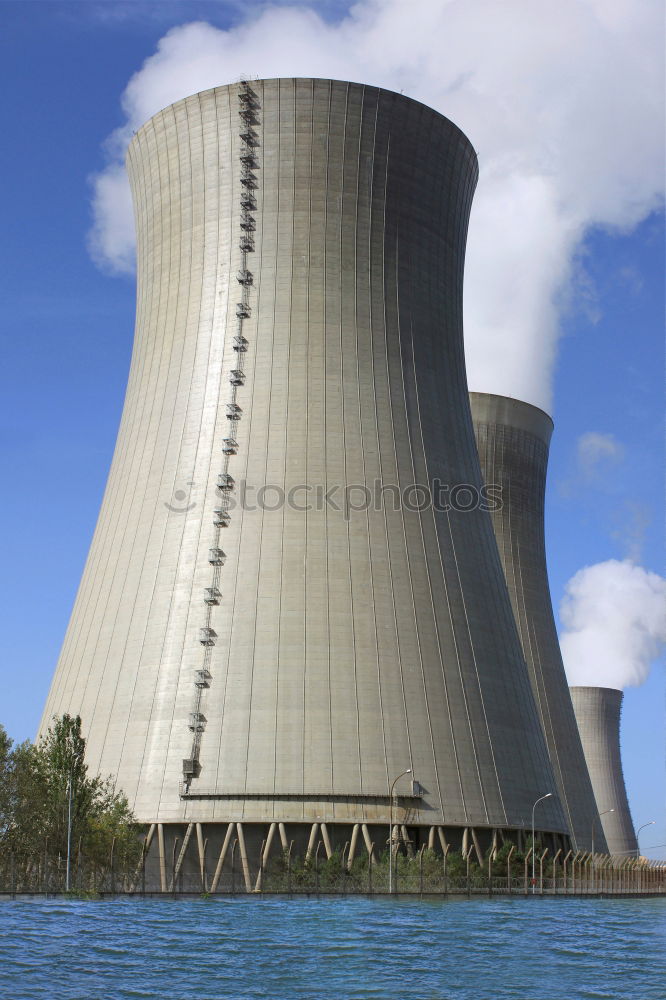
349 645
513 439
598 717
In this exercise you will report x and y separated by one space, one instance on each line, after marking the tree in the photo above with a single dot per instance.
61 761
21 794
6 768
35 786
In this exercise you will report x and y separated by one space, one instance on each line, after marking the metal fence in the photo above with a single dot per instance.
422 874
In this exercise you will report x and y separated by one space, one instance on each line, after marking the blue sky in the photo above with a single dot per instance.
68 324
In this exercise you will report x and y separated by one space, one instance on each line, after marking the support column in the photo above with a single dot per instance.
243 854
312 841
477 846
223 854
327 842
181 856
201 847
263 859
368 843
352 846
162 857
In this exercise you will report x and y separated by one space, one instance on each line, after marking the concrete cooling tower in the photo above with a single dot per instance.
513 439
598 716
274 623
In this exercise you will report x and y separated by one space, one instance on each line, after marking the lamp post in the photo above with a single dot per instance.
638 850
401 775
69 831
546 796
594 819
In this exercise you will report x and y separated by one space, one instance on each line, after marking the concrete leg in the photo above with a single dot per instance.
181 856
312 841
162 855
264 855
243 854
223 854
368 842
201 848
326 839
352 846
477 846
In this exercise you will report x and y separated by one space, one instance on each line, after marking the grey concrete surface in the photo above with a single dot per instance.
346 648
598 716
513 439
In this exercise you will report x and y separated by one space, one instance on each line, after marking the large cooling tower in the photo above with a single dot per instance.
513 439
598 716
273 624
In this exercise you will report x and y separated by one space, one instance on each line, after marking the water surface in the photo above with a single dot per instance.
333 949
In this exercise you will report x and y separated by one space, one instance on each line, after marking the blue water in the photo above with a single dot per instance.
334 949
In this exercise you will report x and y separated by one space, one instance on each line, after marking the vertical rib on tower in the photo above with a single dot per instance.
345 638
513 439
598 717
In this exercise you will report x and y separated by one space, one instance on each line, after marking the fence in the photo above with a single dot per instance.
424 874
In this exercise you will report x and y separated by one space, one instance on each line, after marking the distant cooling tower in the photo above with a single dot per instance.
598 716
513 439
272 625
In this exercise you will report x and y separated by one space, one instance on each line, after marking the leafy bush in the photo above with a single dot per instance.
39 783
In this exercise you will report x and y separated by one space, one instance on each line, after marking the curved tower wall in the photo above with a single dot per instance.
513 440
345 644
598 716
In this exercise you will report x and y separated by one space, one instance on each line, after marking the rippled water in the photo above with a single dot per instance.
334 949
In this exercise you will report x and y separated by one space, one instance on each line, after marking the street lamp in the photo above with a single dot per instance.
402 775
594 819
69 831
546 796
638 850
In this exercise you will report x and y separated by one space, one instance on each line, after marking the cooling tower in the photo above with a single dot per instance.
598 717
273 623
513 440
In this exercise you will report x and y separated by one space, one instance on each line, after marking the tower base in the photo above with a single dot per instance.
274 856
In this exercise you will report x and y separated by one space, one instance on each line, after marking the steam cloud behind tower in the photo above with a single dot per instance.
255 653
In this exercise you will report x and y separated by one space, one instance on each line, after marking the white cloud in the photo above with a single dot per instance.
111 239
614 618
562 102
596 452
631 522
596 456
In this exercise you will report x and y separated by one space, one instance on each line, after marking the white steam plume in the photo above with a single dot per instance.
562 102
597 451
614 618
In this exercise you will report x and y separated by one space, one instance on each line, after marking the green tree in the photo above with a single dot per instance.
38 783
21 796
5 781
64 775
